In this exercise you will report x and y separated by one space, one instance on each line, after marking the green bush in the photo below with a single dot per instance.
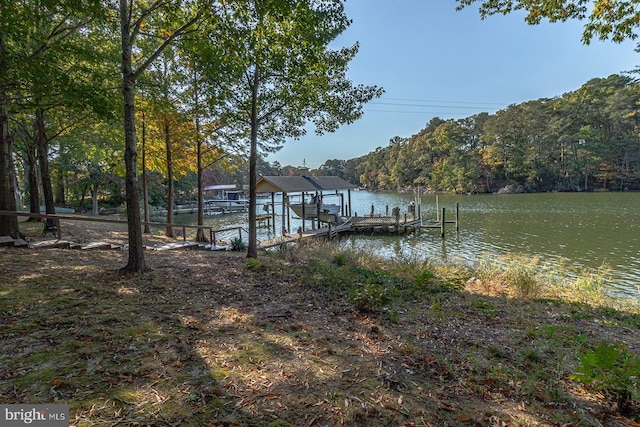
614 371
370 297
237 244
340 259
252 263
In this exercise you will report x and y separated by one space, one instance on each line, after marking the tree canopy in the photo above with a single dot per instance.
616 20
582 140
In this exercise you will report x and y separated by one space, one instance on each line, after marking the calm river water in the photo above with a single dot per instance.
588 230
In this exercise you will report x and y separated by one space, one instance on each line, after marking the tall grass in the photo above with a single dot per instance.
516 276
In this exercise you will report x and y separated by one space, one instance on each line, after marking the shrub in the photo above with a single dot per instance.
340 259
370 297
252 263
613 371
237 244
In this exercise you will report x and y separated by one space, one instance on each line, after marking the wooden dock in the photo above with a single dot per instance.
330 231
372 223
382 223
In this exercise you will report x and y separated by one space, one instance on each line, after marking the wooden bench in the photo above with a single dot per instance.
50 227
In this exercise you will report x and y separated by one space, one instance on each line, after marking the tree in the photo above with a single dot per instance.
166 20
92 153
167 124
587 138
48 62
206 78
286 76
607 19
28 32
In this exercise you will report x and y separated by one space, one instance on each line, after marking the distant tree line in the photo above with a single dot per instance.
582 141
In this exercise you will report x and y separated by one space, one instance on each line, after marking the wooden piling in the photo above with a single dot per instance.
442 223
273 211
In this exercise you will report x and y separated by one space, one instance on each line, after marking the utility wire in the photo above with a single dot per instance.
489 107
457 113
445 102
428 105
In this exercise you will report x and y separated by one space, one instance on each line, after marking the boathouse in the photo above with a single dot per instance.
297 190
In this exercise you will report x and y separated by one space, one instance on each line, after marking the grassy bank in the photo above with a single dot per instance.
310 336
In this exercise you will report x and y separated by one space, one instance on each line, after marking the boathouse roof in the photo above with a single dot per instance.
220 187
295 184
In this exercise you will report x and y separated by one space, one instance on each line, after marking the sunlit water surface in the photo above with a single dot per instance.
587 230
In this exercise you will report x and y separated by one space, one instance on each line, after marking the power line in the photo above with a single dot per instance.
415 112
428 105
446 102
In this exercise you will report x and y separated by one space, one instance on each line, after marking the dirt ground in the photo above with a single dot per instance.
204 339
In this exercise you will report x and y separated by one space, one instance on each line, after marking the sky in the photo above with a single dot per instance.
434 61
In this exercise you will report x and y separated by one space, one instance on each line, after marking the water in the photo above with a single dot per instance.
588 230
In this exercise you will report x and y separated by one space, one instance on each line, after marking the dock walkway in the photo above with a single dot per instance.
350 224
318 232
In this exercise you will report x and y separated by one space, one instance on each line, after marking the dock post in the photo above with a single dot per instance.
285 212
329 231
304 221
318 206
273 210
457 217
437 209
184 233
442 222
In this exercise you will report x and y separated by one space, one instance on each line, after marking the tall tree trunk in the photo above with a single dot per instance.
32 177
200 236
145 192
82 194
170 201
8 224
18 193
60 196
252 250
43 159
136 262
94 198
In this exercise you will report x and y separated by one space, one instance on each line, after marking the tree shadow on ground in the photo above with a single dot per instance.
202 340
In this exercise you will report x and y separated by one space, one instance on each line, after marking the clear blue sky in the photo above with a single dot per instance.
433 61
